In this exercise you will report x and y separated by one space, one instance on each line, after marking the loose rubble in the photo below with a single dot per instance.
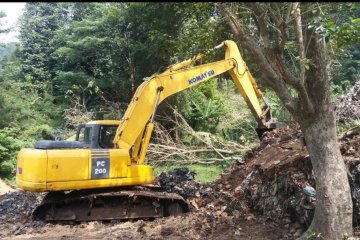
348 107
276 182
15 212
181 181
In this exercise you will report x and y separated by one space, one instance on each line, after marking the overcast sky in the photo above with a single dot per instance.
12 10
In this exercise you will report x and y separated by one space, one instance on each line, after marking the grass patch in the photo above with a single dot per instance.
11 180
203 173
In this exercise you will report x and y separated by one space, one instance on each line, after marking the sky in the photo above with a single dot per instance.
13 10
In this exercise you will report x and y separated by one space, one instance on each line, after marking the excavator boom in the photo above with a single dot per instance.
179 77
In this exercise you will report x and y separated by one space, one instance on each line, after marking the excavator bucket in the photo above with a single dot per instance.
261 131
274 125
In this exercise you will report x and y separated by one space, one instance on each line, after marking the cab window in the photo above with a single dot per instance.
106 136
85 135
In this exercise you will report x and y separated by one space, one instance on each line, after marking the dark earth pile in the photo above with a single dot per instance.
180 181
15 212
271 183
348 107
274 176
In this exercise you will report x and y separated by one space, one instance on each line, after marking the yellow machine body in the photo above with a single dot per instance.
67 169
52 170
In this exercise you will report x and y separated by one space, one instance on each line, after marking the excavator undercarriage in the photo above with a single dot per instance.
111 204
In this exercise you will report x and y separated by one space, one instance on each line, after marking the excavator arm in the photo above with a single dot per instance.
135 130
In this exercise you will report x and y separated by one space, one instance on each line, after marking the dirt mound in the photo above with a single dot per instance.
181 181
274 178
15 212
348 107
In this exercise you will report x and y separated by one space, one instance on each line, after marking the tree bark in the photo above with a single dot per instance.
333 212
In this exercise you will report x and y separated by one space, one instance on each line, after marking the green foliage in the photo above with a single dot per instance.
240 130
38 25
9 146
348 71
344 127
25 116
202 106
6 49
21 104
278 109
238 124
21 107
12 139
84 66
340 89
2 29
339 24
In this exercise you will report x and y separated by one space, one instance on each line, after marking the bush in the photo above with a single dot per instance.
202 106
13 139
278 109
9 147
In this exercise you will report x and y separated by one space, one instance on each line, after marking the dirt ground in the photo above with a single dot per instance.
260 197
257 198
4 188
189 226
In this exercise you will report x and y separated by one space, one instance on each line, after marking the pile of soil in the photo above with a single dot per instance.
15 212
274 176
270 184
180 181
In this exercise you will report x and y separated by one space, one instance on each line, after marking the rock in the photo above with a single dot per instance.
237 233
298 233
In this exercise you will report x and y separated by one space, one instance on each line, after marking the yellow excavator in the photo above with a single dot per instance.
102 175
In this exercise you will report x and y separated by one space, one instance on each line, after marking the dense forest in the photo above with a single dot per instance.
83 61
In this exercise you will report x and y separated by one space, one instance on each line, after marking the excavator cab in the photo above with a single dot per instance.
97 134
92 135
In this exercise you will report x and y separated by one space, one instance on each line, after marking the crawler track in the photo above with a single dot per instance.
109 204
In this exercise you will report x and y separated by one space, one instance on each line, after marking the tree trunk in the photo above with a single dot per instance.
311 107
333 213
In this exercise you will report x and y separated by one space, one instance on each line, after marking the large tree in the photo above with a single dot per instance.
38 25
286 42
